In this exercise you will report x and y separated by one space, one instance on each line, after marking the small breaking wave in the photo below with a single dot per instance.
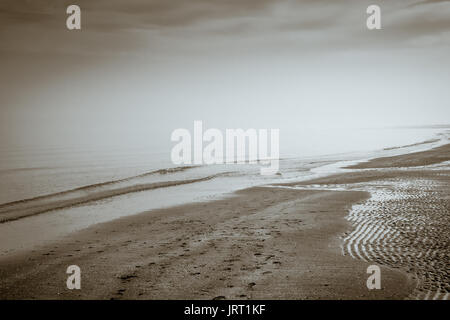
28 207
414 144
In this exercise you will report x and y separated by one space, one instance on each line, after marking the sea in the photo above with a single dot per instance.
49 191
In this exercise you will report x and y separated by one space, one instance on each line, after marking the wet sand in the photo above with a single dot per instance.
259 243
423 158
405 222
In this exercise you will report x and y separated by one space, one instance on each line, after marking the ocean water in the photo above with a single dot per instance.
31 171
47 193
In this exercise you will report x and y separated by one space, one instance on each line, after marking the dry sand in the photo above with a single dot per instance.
260 243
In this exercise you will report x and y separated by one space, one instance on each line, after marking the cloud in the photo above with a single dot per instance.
111 27
118 14
412 24
425 2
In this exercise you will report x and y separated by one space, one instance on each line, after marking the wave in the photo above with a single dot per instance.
96 185
32 206
413 144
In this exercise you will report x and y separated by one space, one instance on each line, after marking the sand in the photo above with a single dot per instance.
423 158
405 223
267 242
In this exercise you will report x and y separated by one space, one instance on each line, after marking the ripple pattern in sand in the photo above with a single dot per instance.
405 224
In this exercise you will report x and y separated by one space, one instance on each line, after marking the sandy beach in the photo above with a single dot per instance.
292 241
224 150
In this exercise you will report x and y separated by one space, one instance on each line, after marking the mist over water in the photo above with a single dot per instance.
27 172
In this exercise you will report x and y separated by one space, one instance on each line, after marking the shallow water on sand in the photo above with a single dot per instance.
405 225
79 197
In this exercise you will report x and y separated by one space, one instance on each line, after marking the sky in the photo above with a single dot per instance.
137 70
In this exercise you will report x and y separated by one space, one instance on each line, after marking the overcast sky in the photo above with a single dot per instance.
139 69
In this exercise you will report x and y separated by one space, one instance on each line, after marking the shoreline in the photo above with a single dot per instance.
234 248
405 222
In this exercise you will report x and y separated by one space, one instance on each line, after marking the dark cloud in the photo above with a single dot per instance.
118 14
119 26
176 56
425 2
